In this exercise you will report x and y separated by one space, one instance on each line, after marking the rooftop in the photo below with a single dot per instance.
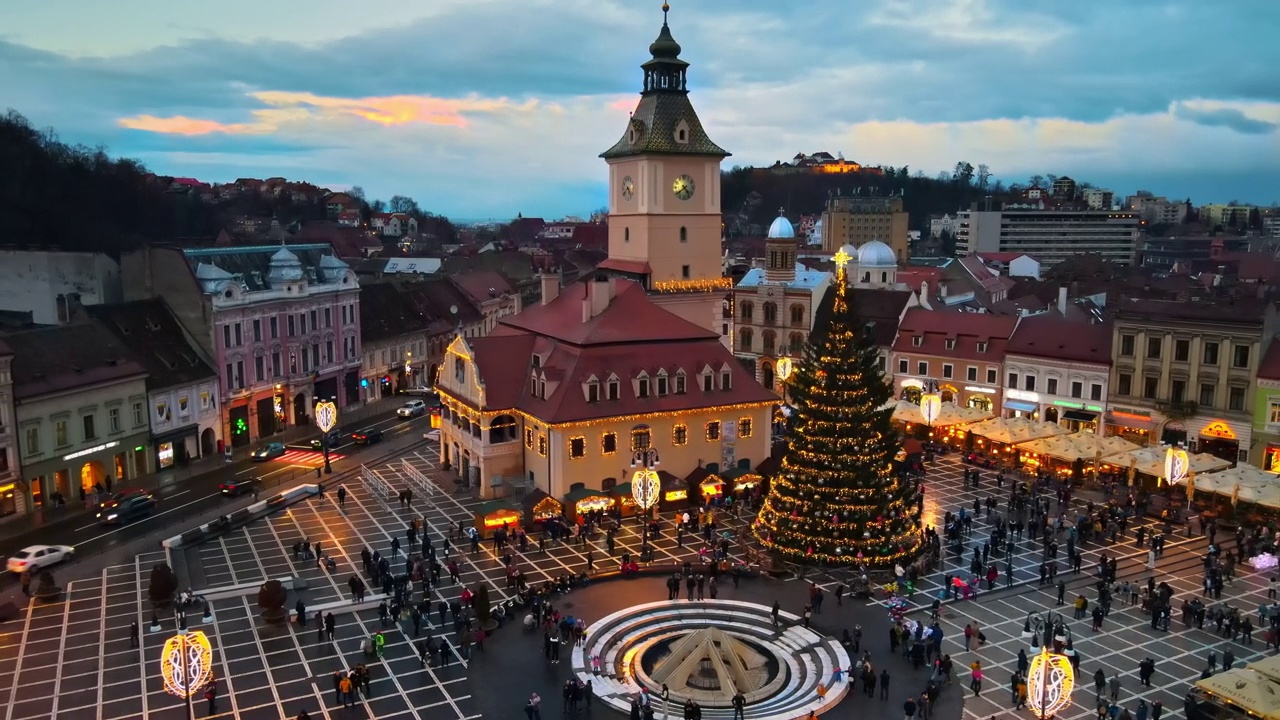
805 279
1237 310
155 339
254 264
964 331
68 357
629 318
1054 337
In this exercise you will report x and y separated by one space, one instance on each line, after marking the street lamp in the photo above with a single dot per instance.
186 662
1050 677
930 404
645 483
326 420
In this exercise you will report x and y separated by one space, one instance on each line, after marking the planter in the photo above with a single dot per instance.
490 626
276 616
48 595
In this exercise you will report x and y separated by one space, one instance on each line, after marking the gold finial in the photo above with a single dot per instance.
842 258
665 9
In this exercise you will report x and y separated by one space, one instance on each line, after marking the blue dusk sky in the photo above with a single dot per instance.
486 108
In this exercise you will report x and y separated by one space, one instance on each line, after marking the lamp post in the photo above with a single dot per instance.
326 419
186 662
645 484
930 404
1050 677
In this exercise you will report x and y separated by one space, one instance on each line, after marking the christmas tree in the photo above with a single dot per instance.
836 499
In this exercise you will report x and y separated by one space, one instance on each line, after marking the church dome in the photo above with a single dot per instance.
876 254
665 46
781 228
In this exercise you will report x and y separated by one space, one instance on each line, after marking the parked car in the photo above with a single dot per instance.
334 438
129 506
423 391
368 436
412 409
268 451
238 486
37 557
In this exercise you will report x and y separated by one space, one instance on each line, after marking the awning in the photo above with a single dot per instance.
1020 406
1080 416
184 431
1130 421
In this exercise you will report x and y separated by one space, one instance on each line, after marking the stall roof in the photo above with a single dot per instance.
1150 461
1012 431
582 493
1247 689
1078 446
494 506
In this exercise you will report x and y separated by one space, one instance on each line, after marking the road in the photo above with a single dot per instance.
199 493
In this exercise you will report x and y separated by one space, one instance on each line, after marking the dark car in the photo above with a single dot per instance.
334 438
368 436
237 486
126 507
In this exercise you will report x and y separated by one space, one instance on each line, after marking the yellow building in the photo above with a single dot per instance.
858 220
562 396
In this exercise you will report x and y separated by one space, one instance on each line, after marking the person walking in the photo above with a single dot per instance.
211 697
975 675
133 635
330 624
909 709
346 693
1115 687
533 707
884 684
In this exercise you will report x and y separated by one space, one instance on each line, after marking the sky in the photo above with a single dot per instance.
486 108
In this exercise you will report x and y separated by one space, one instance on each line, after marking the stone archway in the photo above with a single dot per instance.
207 442
92 473
300 409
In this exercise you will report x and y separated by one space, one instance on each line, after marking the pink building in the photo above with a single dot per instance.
281 325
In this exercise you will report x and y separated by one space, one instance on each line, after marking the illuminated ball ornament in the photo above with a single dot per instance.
785 368
1050 680
326 415
190 652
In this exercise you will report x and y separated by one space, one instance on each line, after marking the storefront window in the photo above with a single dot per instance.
980 402
164 455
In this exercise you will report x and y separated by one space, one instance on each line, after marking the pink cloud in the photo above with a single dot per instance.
182 125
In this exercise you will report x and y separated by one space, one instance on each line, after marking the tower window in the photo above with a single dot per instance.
684 271
684 234
626 234
681 136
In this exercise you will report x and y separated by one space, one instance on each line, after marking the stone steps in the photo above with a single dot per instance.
806 657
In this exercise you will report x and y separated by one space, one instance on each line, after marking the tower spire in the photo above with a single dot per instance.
665 9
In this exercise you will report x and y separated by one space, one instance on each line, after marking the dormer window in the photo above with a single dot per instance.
593 391
612 389
680 383
708 381
726 380
537 361
982 346
682 132
951 343
642 387
662 385
916 341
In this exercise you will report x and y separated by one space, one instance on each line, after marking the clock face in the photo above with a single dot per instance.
628 188
683 187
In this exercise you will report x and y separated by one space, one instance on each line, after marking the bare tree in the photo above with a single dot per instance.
984 175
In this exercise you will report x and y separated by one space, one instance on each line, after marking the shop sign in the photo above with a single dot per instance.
1219 429
975 389
92 450
1024 395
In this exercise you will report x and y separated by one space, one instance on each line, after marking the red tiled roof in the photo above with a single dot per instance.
631 317
1058 338
482 285
1269 368
635 267
967 329
66 357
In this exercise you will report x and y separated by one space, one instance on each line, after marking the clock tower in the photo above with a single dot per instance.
664 194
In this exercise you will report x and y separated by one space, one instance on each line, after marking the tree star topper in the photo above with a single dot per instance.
842 258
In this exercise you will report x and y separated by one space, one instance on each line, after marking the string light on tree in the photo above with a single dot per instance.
836 499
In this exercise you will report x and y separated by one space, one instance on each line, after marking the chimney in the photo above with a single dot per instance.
598 294
550 286
1062 300
924 290
586 302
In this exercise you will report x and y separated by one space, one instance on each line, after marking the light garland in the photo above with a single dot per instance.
680 434
577 447
684 286
744 427
528 438
605 442
461 407
713 431
542 445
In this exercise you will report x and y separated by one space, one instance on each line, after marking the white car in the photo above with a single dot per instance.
37 557
411 409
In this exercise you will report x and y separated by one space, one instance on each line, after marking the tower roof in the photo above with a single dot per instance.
781 228
664 122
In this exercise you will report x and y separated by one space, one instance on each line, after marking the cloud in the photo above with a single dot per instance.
489 107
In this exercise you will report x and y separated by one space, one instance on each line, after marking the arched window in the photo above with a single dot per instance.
797 314
795 343
766 375
684 234
770 313
626 234
770 341
745 338
884 277
641 437
748 310
502 428
866 277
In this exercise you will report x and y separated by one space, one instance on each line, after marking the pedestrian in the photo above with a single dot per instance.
909 708
133 635
1115 687
975 681
330 624
884 684
211 697
532 708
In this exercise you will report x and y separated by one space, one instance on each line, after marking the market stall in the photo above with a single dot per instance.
1149 461
675 491
991 442
908 413
1247 690
539 507
747 481
496 514
1065 454
584 500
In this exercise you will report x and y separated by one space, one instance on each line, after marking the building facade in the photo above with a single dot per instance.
856 220
1184 372
566 391
9 466
1266 410
665 225
1050 236
1057 370
80 410
281 324
41 282
182 388
961 354
774 307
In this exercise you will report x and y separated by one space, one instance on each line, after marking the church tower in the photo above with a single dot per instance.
664 194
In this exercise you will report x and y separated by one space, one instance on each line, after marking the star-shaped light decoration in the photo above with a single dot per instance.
842 258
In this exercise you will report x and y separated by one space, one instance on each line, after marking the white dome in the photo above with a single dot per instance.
876 254
850 250
781 228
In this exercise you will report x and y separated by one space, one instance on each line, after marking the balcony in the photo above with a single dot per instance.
1177 409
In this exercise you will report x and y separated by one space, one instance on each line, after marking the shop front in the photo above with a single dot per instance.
1077 417
583 501
1220 438
176 447
1021 403
675 492
1135 426
77 476
540 507
495 515
980 398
